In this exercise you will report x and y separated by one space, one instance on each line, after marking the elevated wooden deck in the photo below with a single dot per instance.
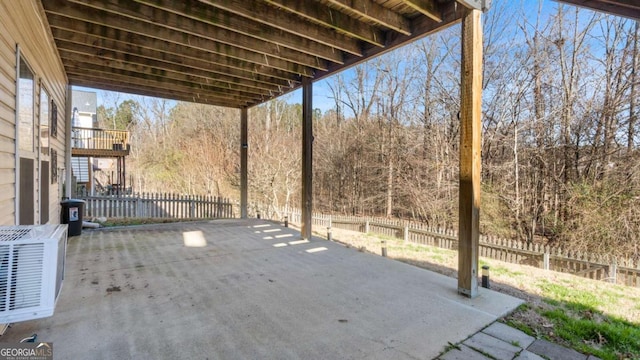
91 142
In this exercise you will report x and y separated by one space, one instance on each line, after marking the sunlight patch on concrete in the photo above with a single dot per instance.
283 236
194 239
298 242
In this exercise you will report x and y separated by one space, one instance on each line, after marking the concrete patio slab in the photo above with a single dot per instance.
247 289
527 355
554 351
509 334
463 352
496 348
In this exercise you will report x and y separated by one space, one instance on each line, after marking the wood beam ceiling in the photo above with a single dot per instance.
273 21
99 52
193 47
374 12
332 19
422 26
165 93
625 8
217 25
235 53
426 7
168 29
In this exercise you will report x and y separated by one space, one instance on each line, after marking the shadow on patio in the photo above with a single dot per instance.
249 290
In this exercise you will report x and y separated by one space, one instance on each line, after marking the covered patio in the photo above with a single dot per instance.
242 53
249 289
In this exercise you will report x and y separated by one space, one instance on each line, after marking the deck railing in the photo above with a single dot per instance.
156 205
99 139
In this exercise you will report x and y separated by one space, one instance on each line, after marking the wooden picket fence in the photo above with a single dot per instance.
158 205
597 267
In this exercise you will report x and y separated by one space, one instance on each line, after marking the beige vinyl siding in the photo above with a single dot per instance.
7 122
23 23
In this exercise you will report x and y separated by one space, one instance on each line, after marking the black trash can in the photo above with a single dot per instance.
72 210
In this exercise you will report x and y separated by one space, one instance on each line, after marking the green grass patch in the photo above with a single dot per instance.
414 248
523 307
381 237
577 318
522 327
499 270
578 298
607 337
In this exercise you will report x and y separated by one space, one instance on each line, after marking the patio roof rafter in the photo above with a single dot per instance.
625 8
180 55
274 19
259 47
156 91
190 17
332 19
146 67
427 7
184 85
375 13
161 40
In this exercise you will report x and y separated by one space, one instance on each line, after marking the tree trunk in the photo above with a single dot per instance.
633 117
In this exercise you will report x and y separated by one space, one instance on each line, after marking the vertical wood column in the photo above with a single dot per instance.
68 118
244 147
307 159
470 152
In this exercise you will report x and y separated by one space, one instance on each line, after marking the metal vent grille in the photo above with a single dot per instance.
13 233
21 271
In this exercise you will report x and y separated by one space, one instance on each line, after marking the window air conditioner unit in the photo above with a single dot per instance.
31 270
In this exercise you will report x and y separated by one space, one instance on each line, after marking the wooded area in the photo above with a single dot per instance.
560 157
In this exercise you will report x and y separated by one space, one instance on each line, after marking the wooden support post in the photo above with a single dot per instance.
124 174
68 118
244 147
470 147
307 158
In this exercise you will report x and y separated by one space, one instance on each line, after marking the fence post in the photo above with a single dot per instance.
191 207
545 260
138 206
406 234
613 270
366 227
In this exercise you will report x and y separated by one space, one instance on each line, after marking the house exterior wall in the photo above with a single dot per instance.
23 25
